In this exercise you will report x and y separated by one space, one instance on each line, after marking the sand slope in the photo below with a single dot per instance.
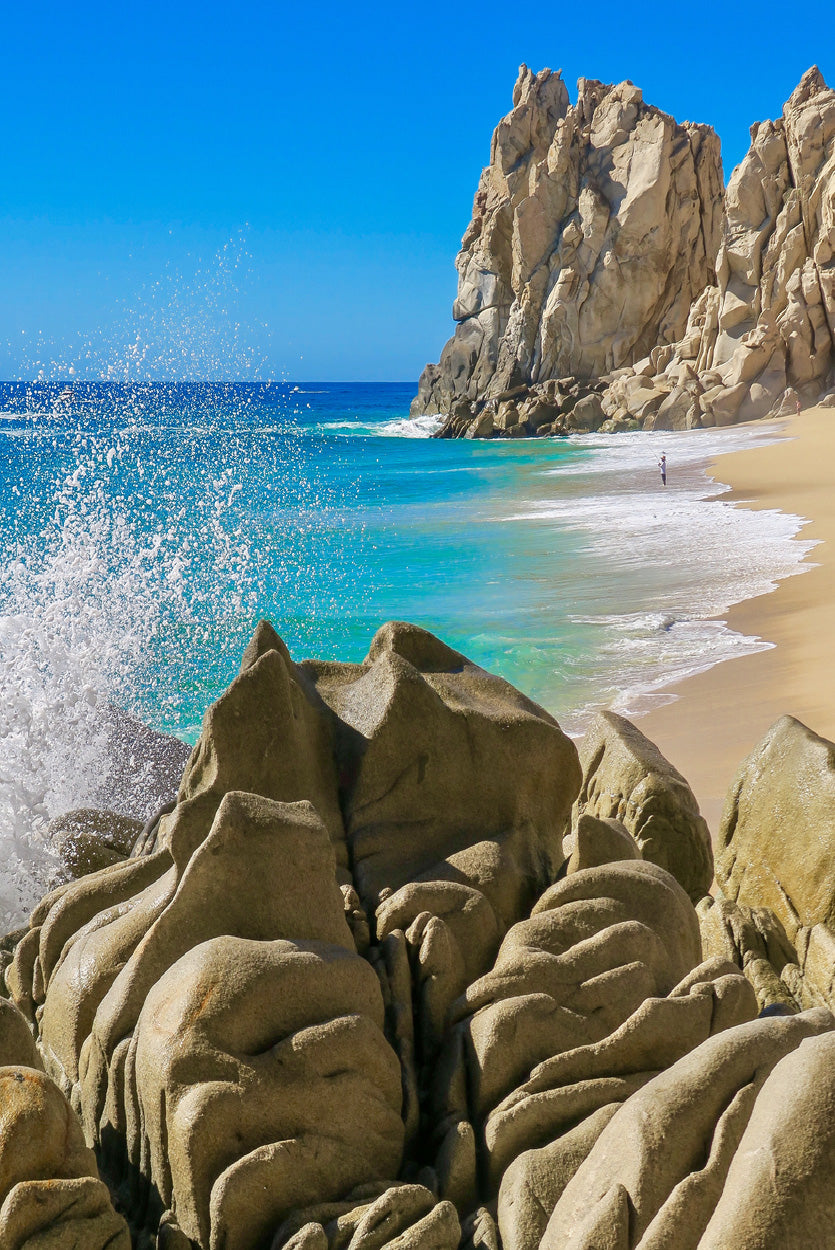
721 714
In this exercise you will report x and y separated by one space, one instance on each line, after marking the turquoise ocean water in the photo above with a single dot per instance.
145 529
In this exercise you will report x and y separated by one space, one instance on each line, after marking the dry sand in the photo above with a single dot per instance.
720 715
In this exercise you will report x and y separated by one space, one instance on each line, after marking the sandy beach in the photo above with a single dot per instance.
721 714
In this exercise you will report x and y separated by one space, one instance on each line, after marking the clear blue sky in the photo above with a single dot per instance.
338 145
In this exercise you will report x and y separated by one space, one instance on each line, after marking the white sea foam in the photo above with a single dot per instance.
411 427
398 427
73 625
350 427
676 557
77 618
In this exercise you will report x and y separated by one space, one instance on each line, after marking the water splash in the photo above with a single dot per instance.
105 552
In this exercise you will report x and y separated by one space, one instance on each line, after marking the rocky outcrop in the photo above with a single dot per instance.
754 939
763 338
50 1192
588 998
594 227
401 1217
17 1046
558 407
88 839
394 973
625 776
776 845
324 807
602 251
707 1140
258 1080
417 728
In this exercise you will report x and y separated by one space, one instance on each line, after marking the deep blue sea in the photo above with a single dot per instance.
146 528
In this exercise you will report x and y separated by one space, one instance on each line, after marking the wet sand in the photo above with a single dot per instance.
721 714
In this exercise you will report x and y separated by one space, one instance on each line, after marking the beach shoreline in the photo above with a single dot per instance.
719 715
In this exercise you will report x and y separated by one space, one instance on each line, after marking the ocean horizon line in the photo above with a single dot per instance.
77 381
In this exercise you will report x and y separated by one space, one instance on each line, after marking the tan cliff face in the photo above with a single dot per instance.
595 225
616 255
776 265
769 323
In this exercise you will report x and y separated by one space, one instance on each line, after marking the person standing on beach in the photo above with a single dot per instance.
662 464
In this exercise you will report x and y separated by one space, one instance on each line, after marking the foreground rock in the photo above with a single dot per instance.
258 1080
88 839
777 844
588 998
395 973
608 282
50 1192
754 939
711 1139
324 806
625 776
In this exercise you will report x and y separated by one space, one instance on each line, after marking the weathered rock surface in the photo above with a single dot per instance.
776 845
96 982
594 227
258 1081
447 850
269 734
403 1217
327 804
763 338
50 1192
17 1046
595 842
557 407
603 251
754 940
155 1017
704 1136
600 988
625 776
374 984
89 839
418 727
